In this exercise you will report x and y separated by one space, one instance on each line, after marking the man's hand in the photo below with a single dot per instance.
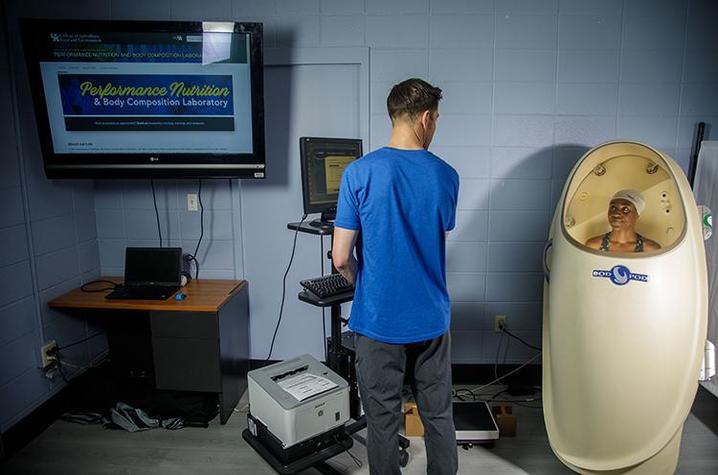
343 253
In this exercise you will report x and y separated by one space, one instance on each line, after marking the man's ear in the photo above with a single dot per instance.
425 118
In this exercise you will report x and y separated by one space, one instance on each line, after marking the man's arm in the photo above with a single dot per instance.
343 253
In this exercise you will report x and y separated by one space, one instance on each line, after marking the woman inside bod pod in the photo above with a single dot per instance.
623 211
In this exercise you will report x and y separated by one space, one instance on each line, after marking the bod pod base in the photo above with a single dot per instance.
623 333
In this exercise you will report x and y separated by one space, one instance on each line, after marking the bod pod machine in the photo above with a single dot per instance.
623 333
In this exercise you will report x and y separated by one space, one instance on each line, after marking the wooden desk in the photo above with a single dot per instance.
200 343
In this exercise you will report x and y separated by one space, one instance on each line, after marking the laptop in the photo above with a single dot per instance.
151 273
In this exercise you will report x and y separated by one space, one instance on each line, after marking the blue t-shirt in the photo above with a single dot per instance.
402 202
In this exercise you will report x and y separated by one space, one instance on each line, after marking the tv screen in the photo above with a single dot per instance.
136 99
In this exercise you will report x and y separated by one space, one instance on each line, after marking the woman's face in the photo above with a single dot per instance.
622 214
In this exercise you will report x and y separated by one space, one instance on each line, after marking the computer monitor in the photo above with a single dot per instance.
323 163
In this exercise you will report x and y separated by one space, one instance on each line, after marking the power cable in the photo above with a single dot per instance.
84 287
505 375
346 449
80 341
284 287
201 229
193 257
515 337
157 213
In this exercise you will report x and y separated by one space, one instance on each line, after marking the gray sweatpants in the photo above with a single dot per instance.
380 371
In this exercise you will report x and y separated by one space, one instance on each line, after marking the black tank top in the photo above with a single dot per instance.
606 242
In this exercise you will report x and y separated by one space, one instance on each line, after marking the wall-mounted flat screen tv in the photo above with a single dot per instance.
139 99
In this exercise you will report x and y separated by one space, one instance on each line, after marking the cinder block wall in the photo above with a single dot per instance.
528 87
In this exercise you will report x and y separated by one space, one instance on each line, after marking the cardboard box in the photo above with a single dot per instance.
412 422
505 420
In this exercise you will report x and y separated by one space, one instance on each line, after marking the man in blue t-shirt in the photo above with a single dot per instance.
396 206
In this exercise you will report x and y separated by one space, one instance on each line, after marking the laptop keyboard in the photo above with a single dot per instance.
141 293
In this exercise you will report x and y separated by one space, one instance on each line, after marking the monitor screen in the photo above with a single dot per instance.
153 266
144 99
323 163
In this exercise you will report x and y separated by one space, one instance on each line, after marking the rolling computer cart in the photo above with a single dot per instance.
340 358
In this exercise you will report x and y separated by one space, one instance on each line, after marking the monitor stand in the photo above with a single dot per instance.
325 221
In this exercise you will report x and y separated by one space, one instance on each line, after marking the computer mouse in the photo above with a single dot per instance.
180 296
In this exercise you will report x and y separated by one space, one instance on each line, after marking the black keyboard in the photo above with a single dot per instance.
327 285
122 292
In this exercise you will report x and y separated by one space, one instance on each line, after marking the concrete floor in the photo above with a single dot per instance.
66 448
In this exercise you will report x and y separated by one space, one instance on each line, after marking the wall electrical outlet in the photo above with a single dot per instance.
192 202
500 323
48 359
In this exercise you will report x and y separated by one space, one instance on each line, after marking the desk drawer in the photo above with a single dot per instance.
186 364
184 325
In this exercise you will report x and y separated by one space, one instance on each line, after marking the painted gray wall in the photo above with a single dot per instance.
48 238
528 86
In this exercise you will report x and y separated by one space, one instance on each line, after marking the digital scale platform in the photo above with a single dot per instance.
474 423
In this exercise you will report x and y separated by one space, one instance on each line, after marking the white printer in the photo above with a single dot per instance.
298 399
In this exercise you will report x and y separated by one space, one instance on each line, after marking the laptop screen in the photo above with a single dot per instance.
153 266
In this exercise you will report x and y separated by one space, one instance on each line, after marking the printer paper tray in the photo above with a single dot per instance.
336 438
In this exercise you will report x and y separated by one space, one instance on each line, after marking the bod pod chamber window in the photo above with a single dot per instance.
618 166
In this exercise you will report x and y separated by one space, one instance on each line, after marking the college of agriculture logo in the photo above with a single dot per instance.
620 275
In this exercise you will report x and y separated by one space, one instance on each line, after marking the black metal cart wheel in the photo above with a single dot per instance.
403 458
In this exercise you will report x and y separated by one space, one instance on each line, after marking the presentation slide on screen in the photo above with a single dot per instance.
146 103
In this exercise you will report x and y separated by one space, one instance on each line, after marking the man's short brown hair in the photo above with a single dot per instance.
411 98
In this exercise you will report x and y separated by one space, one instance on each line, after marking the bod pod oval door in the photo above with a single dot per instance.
623 333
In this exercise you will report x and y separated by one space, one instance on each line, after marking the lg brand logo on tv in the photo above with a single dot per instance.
619 275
